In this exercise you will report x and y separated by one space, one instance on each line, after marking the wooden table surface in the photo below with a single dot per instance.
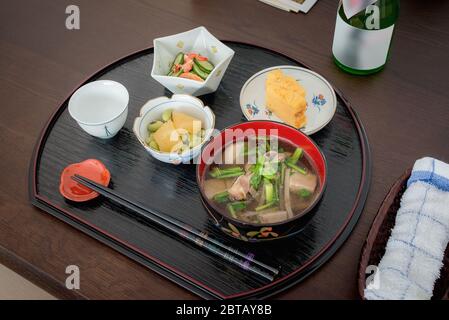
405 110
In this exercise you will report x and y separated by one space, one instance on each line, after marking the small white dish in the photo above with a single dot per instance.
198 40
320 97
153 109
100 107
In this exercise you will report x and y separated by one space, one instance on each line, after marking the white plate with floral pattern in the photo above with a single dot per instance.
320 97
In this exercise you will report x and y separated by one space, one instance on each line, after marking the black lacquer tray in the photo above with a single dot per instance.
173 190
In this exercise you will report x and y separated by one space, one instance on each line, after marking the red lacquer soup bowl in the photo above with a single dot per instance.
256 232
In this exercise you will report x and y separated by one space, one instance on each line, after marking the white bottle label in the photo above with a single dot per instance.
361 49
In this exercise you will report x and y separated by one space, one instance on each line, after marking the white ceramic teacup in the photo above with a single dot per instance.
100 107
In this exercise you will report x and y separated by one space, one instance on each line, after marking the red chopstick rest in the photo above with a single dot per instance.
92 169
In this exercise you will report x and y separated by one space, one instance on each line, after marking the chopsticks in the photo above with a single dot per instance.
186 231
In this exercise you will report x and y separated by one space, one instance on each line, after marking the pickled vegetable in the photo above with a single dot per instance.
166 115
153 145
154 125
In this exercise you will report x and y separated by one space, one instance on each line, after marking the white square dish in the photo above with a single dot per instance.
197 40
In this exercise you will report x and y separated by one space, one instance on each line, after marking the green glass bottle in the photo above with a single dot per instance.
362 39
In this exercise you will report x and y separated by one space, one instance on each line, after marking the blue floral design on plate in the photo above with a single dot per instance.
319 101
252 109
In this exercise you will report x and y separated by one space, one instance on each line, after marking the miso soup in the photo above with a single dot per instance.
260 182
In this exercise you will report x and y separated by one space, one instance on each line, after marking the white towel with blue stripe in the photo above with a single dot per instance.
415 250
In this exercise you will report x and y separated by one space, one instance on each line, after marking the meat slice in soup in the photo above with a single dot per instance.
300 182
240 188
273 217
213 187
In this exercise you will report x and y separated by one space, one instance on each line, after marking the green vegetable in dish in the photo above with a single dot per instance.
179 60
221 197
226 173
203 75
153 145
191 66
166 115
205 66
234 207
295 167
255 181
270 170
293 160
177 73
257 169
304 193
269 191
265 206
296 156
154 125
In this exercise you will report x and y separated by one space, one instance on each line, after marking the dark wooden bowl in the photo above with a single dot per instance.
380 232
